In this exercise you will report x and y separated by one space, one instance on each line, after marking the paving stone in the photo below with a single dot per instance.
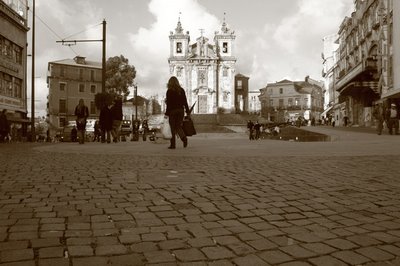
110 250
297 252
375 254
159 256
16 255
80 251
191 254
217 253
350 257
275 257
249 260
54 261
327 261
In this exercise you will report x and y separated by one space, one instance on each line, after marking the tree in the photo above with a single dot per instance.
119 75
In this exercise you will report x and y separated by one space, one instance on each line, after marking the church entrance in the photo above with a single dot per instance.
202 107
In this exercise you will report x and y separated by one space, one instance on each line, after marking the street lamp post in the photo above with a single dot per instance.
135 95
33 137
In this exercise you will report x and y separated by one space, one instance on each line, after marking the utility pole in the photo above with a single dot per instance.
33 135
103 78
135 94
103 40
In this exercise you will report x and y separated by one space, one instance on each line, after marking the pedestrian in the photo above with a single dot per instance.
116 114
392 118
250 127
106 123
345 120
257 127
313 121
4 126
97 131
176 106
379 117
82 113
74 134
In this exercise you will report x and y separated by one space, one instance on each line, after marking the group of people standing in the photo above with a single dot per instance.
389 116
109 123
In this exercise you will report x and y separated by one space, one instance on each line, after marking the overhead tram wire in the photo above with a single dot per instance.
46 25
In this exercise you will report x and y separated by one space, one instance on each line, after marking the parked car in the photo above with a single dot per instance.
126 127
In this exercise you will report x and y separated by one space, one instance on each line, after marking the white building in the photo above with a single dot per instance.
206 70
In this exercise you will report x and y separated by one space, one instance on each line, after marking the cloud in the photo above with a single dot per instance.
150 46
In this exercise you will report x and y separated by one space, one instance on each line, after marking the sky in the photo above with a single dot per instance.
275 40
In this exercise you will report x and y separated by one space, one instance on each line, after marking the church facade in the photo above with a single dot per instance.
206 70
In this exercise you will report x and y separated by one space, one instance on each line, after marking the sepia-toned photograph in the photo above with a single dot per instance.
199 132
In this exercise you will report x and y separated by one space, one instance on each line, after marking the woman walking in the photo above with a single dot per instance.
176 106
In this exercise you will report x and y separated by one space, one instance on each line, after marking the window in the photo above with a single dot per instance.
62 86
92 75
297 101
18 54
1 84
80 73
62 71
17 88
239 84
93 88
81 87
92 108
306 102
280 102
8 85
62 122
290 101
225 47
178 47
271 102
225 72
280 91
62 106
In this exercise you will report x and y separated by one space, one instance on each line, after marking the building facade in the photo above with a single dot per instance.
13 63
206 70
364 71
287 100
68 81
241 93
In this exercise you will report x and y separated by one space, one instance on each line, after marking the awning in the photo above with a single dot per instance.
15 119
326 111
356 86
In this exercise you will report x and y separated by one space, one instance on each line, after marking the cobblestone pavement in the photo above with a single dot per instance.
221 201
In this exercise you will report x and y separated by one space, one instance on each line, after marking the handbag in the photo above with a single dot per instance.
188 126
166 128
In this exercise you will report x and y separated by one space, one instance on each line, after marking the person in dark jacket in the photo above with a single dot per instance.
106 123
82 113
116 113
4 126
176 106
392 118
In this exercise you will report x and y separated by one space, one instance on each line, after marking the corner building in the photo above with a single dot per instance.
367 58
13 62
205 70
68 81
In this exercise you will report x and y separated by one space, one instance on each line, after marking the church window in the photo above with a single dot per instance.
179 71
178 47
202 77
239 84
225 47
